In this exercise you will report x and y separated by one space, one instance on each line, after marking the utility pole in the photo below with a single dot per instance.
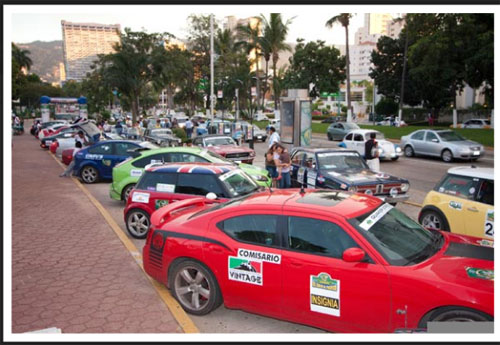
212 67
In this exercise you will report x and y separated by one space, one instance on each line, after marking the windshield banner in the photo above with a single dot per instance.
375 216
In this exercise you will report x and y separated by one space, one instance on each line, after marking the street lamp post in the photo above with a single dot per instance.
251 116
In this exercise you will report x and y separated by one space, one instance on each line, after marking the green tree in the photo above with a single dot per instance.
21 57
343 19
315 63
386 106
275 32
72 88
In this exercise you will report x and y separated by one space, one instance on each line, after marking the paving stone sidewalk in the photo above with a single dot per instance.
69 269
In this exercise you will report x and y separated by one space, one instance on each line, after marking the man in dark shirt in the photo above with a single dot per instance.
371 153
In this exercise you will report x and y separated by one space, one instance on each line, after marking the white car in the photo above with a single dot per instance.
475 123
64 144
387 122
356 139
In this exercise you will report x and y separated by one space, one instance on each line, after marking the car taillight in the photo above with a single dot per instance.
157 241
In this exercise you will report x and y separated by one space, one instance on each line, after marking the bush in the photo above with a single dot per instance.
386 106
180 133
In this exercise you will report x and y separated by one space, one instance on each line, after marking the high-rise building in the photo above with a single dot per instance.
81 44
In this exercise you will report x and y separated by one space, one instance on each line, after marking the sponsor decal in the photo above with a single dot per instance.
151 188
160 203
485 243
333 173
245 271
93 156
479 273
259 256
325 294
155 161
136 172
311 179
164 187
106 162
300 175
375 216
140 197
455 205
330 154
488 224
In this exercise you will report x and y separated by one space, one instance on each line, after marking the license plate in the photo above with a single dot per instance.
259 137
238 162
48 142
476 153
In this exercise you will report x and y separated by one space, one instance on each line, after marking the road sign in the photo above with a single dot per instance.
219 93
254 91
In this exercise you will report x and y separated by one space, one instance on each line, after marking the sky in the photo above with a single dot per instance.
44 22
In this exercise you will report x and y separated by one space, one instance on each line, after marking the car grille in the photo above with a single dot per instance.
155 258
380 189
475 148
238 155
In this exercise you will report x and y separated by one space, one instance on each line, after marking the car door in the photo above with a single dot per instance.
417 140
339 131
102 154
297 171
248 265
348 141
161 188
359 143
432 145
479 213
322 289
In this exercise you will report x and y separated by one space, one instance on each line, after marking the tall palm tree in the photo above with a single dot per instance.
343 19
265 47
250 39
21 57
275 32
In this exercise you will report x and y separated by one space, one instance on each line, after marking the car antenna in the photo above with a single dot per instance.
302 191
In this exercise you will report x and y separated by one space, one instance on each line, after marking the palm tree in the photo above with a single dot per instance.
250 39
343 19
265 47
21 57
275 32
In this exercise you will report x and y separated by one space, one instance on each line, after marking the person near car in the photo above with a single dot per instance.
69 169
274 138
119 127
189 128
80 137
372 153
175 124
270 164
189 142
283 163
158 123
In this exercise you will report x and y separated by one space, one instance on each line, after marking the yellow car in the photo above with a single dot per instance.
462 202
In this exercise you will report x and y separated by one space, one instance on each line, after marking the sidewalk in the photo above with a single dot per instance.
69 270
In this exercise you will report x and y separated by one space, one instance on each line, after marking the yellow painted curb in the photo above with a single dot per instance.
412 203
179 314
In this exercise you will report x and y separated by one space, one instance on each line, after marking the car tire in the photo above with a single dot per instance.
395 158
329 137
188 275
89 174
126 191
137 222
409 151
453 313
433 219
447 156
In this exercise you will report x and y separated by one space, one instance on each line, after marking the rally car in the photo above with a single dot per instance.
225 146
329 259
344 169
97 161
127 173
162 184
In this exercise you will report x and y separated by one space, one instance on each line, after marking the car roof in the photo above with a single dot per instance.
342 203
470 171
213 136
363 131
322 149
191 168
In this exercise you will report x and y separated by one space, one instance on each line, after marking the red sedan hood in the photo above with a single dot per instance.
225 149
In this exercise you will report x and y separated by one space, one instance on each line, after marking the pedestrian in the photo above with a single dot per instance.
158 124
189 142
174 123
270 164
69 169
372 153
80 137
274 138
119 127
283 163
189 128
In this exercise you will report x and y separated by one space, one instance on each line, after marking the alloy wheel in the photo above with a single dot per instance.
89 174
192 288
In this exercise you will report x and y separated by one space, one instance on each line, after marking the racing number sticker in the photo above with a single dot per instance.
325 294
488 224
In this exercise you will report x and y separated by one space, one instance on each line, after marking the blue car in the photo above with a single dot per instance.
343 169
97 161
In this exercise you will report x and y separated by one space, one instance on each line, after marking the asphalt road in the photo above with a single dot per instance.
423 174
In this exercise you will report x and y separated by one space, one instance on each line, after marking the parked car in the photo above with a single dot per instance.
133 133
259 134
213 127
67 155
51 130
447 144
329 259
226 147
387 122
345 170
330 119
162 184
127 173
476 123
338 130
97 161
162 137
462 202
357 138
68 132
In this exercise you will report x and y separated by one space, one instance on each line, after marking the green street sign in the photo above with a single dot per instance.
333 94
324 94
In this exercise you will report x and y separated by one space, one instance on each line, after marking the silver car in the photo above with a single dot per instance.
446 144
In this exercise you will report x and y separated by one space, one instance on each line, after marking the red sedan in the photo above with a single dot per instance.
329 259
226 147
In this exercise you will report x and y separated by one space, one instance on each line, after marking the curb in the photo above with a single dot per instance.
178 313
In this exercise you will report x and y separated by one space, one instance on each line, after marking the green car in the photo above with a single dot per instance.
127 173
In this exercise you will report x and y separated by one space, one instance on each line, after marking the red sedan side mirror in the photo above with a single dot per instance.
353 255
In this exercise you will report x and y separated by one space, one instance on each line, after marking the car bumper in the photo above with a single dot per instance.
113 194
470 155
393 199
391 155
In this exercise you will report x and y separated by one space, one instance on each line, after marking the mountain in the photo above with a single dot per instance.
46 57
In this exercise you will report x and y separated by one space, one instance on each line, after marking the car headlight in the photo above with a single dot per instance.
398 149
405 187
393 192
260 178
368 192
353 189
252 154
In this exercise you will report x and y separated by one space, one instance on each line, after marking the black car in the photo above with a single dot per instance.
330 119
162 137
346 170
